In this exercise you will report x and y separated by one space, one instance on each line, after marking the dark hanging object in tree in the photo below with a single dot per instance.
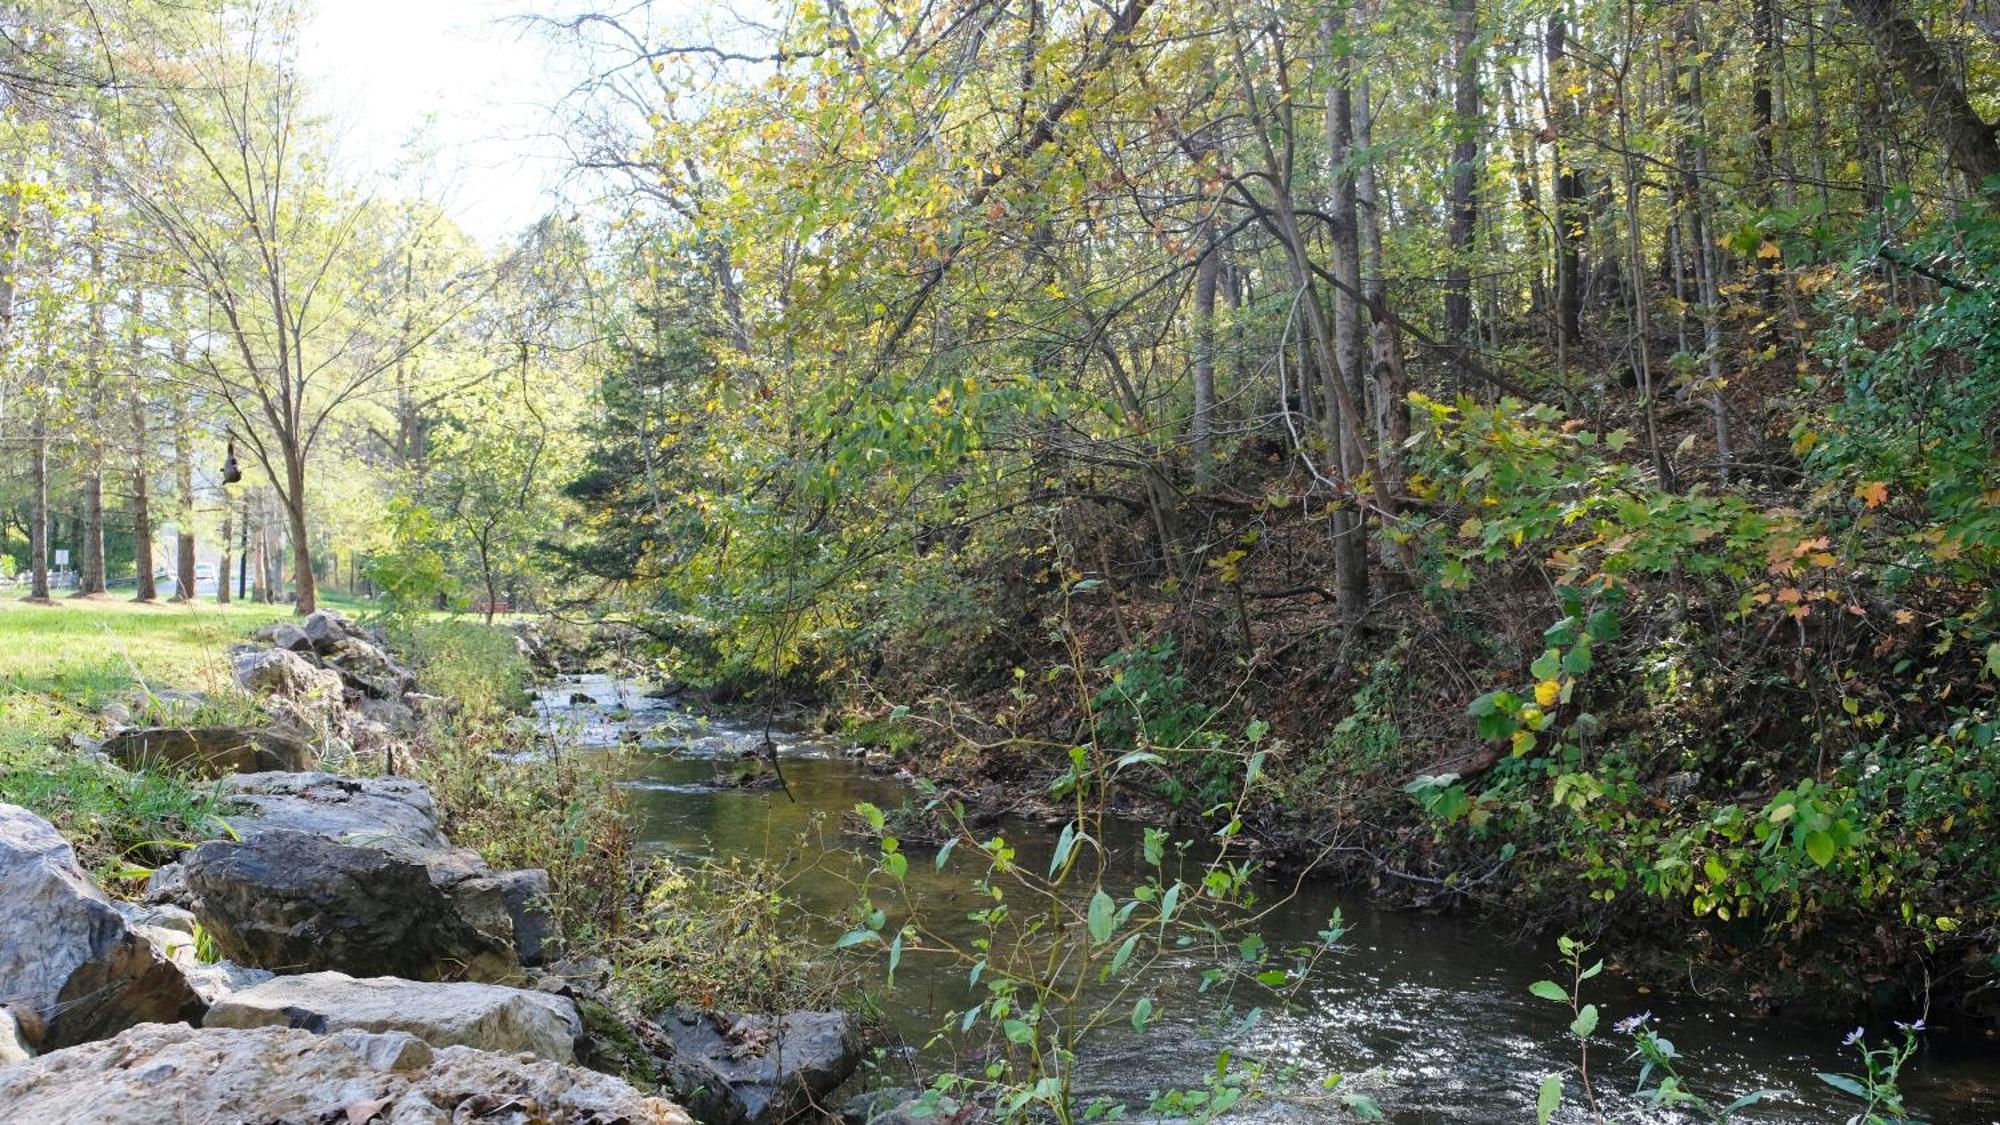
230 473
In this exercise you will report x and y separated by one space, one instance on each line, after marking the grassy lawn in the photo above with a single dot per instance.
60 664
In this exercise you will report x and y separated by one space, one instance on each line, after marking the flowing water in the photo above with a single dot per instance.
1430 1015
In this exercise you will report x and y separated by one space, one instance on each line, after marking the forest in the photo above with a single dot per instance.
1524 464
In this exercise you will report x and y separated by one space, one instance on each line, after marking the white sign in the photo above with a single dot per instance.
62 557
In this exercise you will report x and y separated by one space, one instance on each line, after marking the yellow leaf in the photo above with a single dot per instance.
1546 692
1873 493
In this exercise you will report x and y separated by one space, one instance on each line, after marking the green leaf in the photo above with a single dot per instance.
1585 1022
1135 757
944 853
1065 844
1603 626
1017 1031
1102 917
1842 1083
1142 1012
872 815
1362 1106
1547 665
1749 1099
856 937
1819 848
1548 1098
1549 990
1123 955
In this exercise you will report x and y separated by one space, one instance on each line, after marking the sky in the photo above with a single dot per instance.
382 68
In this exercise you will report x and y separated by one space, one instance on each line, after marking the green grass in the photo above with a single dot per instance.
60 664
86 652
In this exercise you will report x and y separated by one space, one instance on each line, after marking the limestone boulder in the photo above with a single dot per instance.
210 751
160 1073
284 674
71 968
369 669
284 635
324 629
394 814
489 1017
294 902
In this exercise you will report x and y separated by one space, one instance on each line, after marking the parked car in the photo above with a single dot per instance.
167 581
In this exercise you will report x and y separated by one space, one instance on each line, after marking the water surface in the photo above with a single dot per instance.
1430 1015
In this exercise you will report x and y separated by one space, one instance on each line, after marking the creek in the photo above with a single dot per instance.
1429 1014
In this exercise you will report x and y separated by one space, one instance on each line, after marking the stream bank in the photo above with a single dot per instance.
1430 1014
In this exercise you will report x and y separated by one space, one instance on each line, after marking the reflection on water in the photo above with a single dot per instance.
1431 1015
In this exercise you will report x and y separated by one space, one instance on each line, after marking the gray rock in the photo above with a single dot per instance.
285 674
366 668
778 1069
395 814
167 886
164 916
71 968
388 1050
294 902
326 628
210 751
219 979
161 1073
289 637
486 1016
537 935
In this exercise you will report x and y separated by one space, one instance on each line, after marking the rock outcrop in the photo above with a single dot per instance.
777 1070
210 751
489 1017
394 814
283 674
71 968
162 1073
292 901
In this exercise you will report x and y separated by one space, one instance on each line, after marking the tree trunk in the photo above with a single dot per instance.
1350 529
1201 428
1388 380
295 519
184 514
1572 222
1967 138
1462 201
38 503
90 553
222 575
142 492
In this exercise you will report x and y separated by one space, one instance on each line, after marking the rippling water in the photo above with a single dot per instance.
1429 1015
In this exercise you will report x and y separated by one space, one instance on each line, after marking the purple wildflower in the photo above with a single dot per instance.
1630 1024
1911 1027
1854 1037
